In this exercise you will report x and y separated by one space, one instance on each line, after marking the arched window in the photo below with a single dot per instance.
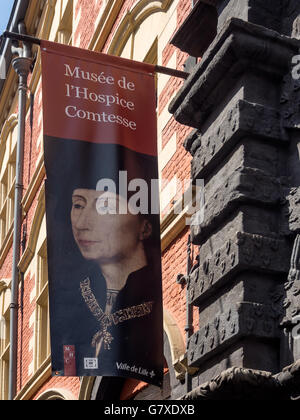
135 390
65 29
56 394
34 267
8 143
113 388
140 27
4 337
42 334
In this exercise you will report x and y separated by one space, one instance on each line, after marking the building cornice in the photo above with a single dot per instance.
249 384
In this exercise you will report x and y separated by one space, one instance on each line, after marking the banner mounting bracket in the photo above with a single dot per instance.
27 38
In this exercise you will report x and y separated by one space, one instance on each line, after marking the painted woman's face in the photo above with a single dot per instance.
100 232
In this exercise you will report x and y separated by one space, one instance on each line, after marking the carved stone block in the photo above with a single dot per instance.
291 211
244 185
208 17
239 321
190 36
290 18
243 103
239 383
291 302
243 120
289 101
240 52
240 251
261 12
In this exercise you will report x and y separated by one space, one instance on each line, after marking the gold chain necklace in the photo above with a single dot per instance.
106 320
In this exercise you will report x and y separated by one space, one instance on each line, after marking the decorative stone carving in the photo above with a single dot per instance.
243 104
238 44
208 17
243 251
242 320
244 119
291 303
289 380
244 185
289 101
239 383
191 37
291 211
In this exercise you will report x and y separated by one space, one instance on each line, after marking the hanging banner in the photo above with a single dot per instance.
103 227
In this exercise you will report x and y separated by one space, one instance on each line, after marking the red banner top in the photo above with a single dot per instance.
98 98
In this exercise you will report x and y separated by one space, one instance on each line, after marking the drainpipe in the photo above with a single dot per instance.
189 311
189 318
21 65
185 281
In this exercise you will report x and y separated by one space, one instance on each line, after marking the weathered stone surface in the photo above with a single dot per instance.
245 286
243 384
291 18
208 17
291 302
240 181
245 218
244 185
191 37
241 251
267 13
243 103
243 120
240 49
238 321
291 211
289 102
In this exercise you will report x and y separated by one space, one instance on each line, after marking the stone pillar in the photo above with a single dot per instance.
243 104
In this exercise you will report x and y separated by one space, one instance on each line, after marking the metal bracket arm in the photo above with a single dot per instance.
159 69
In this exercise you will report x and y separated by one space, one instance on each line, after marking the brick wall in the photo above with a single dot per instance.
86 13
72 385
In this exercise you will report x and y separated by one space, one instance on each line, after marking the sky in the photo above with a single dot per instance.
5 9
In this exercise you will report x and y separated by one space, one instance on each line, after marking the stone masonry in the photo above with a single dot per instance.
243 104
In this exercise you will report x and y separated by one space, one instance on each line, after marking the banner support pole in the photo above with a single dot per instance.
21 66
158 69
